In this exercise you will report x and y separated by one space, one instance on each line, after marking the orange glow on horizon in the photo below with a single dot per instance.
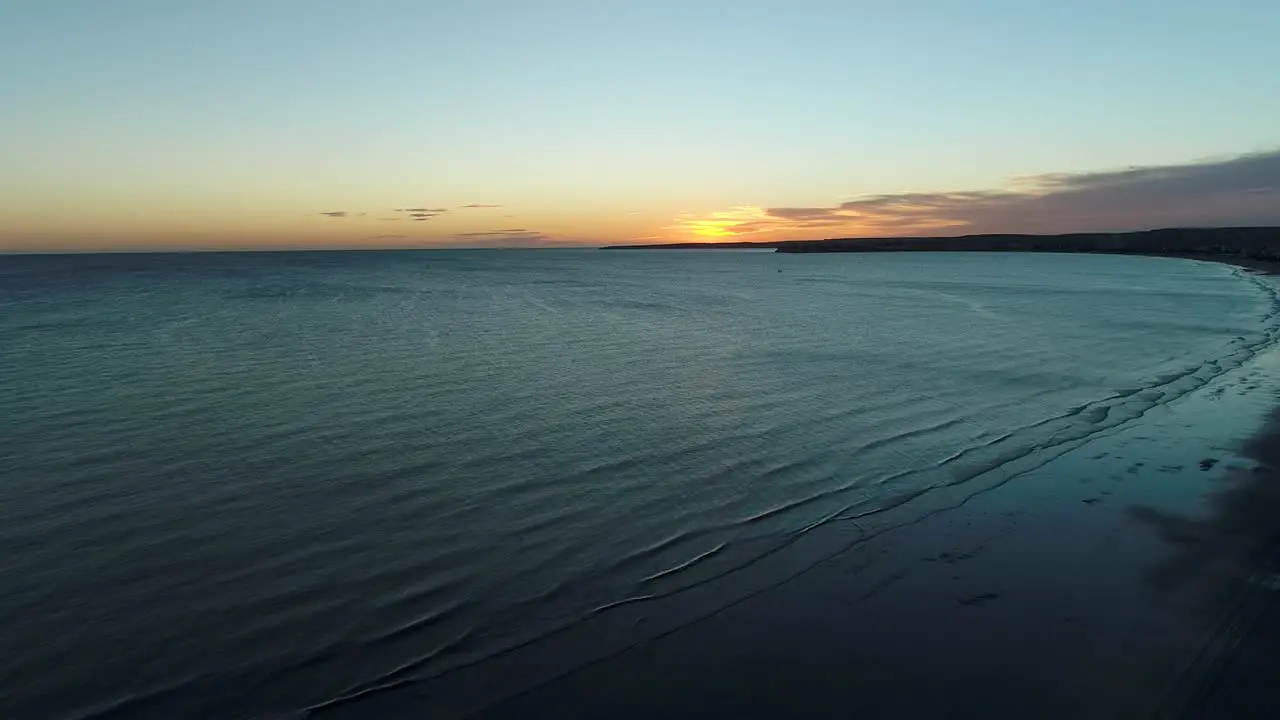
758 224
725 223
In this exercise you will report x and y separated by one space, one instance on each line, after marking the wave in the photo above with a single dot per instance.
984 465
422 476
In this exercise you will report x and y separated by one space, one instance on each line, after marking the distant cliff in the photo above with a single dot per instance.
1255 243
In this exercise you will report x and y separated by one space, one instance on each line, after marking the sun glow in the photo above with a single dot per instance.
878 216
726 223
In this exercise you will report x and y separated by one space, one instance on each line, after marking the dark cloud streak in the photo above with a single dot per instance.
1243 190
514 237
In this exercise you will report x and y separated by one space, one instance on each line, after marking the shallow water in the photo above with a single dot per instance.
251 484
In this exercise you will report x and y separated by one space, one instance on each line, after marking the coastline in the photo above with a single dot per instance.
1230 562
1133 575
1262 267
1256 248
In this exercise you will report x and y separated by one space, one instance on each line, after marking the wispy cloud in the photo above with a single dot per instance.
419 214
514 237
1242 190
479 205
386 237
349 214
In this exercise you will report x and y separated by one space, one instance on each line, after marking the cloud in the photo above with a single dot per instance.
801 213
348 214
419 214
389 219
1241 190
480 205
386 237
515 237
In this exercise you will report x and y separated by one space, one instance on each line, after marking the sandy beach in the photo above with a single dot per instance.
1263 267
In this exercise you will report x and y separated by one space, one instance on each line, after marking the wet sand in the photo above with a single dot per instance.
1227 565
1263 267
1133 576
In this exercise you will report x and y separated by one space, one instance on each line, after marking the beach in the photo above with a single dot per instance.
1135 576
1265 267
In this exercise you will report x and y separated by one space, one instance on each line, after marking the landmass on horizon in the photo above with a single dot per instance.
1250 243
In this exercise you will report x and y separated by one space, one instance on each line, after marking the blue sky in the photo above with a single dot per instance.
237 123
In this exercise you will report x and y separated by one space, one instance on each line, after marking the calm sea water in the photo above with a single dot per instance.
242 485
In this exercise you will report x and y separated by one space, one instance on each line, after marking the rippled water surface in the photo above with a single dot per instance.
261 484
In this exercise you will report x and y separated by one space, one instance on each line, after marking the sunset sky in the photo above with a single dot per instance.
139 124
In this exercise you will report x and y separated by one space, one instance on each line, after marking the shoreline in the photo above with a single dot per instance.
1231 559
1133 575
1257 248
1261 267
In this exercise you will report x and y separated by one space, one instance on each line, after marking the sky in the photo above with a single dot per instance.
253 124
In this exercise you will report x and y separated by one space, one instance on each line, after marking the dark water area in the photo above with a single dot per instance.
408 484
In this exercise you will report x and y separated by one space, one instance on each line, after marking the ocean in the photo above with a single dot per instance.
285 484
